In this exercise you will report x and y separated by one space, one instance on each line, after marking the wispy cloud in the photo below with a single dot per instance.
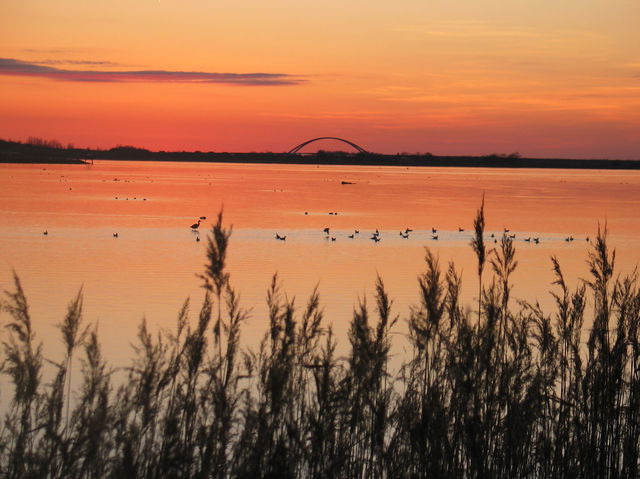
93 63
10 66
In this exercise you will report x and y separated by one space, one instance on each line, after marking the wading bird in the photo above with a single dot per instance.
195 226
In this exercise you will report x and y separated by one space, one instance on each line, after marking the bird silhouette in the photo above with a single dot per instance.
435 237
460 229
45 232
115 235
433 230
281 238
326 230
195 226
351 236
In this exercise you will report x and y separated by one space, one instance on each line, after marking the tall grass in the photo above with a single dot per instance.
507 391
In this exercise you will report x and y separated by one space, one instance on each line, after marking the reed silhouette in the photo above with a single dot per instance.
507 391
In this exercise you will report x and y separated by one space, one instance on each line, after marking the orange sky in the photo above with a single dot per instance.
544 78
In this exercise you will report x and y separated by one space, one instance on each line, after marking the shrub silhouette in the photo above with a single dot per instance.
509 391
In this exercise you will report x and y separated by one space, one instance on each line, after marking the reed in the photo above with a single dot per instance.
507 391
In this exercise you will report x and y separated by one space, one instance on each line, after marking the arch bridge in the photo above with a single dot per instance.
302 145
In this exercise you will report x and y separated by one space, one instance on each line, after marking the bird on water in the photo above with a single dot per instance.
195 226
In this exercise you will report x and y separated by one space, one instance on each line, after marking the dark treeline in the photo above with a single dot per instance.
497 389
37 150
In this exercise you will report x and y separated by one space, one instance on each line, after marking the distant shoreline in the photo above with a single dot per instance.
26 153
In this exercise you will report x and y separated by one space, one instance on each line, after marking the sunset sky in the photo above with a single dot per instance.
544 78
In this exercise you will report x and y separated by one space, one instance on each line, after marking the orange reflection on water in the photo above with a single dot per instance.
150 268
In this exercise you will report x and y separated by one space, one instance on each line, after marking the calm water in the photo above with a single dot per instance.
151 267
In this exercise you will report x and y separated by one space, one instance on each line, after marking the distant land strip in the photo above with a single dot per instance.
52 152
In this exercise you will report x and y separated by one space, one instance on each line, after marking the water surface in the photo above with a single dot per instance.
150 268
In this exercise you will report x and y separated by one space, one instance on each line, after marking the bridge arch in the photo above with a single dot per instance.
302 145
